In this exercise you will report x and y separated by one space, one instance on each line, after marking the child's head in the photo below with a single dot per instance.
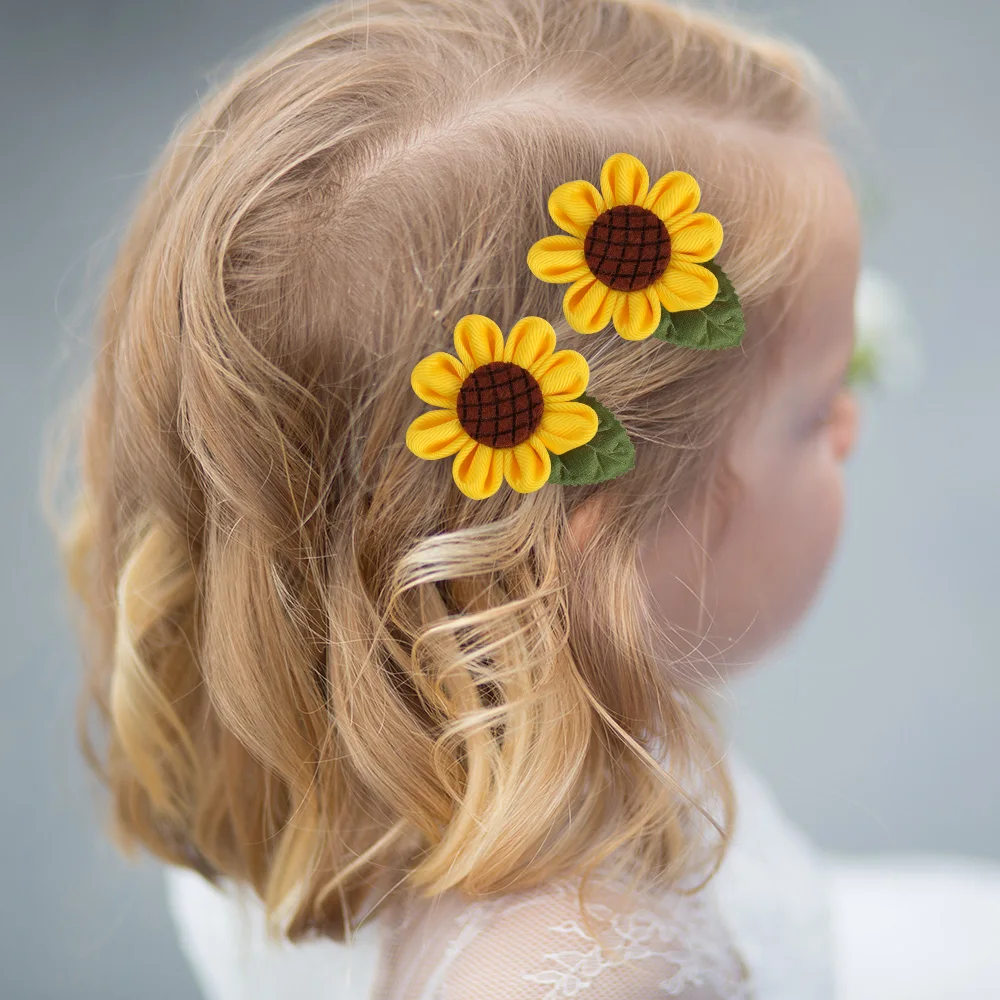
318 660
734 573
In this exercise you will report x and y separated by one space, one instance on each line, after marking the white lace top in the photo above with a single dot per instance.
759 929
533 944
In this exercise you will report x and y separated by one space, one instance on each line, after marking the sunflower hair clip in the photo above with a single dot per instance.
639 256
516 409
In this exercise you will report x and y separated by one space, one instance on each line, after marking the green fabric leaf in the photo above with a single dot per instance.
608 454
719 325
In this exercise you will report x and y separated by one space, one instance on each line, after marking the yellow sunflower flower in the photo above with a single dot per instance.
632 249
504 406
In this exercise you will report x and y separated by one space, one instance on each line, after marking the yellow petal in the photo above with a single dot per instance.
695 237
686 286
674 195
637 314
566 425
478 469
478 341
530 341
574 206
624 180
563 375
437 378
436 434
527 465
558 259
588 304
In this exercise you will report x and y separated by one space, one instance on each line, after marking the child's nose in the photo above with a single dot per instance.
845 424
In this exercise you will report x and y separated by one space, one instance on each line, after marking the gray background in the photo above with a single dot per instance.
876 725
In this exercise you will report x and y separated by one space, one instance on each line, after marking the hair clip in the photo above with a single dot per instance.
640 257
514 410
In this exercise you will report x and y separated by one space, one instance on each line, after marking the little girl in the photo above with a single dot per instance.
447 725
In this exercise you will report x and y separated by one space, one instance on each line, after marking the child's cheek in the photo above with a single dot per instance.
799 516
764 571
815 514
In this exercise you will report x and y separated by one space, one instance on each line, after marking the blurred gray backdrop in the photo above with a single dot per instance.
877 725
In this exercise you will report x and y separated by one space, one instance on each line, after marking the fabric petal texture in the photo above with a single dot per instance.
437 378
588 305
478 470
695 237
478 341
563 375
558 259
637 314
574 206
527 465
530 341
624 180
566 425
673 196
686 286
436 434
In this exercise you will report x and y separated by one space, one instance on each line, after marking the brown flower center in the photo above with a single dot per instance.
500 404
627 247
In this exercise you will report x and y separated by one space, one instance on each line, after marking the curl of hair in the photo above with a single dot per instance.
316 667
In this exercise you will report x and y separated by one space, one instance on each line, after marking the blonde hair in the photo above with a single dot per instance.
315 665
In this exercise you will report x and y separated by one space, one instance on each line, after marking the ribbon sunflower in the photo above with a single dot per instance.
639 256
509 410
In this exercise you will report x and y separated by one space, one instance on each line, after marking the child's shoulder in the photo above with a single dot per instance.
535 944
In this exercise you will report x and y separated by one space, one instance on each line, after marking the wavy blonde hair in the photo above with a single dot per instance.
316 667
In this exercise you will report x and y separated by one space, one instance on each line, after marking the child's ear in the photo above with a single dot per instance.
584 519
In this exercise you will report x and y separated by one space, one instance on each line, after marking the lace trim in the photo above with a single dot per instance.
689 935
691 939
